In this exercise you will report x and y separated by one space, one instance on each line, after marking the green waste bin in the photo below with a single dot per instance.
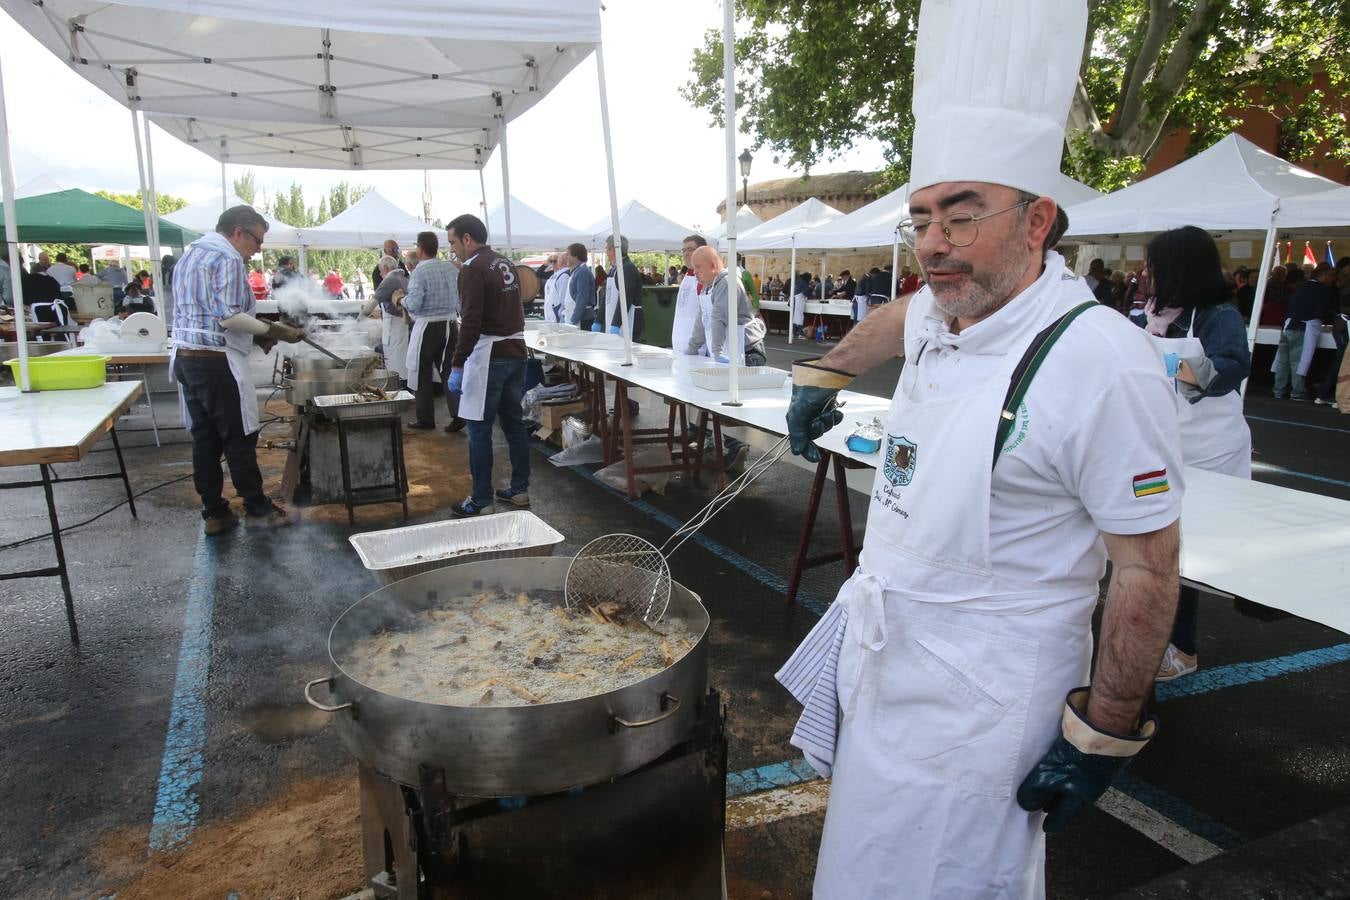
658 314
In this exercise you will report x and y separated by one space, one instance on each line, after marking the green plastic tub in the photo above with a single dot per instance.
63 373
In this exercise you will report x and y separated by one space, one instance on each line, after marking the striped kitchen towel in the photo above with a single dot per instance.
809 675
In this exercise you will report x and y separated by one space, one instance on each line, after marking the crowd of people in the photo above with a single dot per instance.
49 287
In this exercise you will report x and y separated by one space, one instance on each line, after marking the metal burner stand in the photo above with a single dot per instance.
653 833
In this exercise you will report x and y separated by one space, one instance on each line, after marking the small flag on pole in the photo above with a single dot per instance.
1288 252
1329 259
1309 258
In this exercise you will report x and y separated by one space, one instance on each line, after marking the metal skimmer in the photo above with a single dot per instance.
629 576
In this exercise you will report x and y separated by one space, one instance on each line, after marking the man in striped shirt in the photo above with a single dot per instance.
214 331
433 302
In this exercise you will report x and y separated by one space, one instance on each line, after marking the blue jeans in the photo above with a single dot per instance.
505 387
1286 364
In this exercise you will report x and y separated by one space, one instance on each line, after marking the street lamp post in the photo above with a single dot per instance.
745 159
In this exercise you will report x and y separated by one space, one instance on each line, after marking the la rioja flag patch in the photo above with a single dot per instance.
1151 483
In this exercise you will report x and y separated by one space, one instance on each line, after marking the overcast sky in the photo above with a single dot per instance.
667 155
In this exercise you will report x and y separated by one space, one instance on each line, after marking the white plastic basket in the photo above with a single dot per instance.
649 359
749 378
397 553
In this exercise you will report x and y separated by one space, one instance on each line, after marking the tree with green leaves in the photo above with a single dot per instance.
246 187
166 203
814 76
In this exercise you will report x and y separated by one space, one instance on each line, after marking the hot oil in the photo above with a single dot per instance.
497 649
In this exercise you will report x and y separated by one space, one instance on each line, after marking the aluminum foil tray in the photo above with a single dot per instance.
748 378
397 553
344 406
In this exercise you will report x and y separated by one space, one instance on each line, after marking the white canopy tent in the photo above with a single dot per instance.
366 224
1233 188
645 230
1322 213
531 229
202 217
745 220
309 145
779 232
43 184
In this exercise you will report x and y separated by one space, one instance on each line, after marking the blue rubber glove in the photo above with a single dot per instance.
597 328
810 414
813 410
615 329
1079 766
456 383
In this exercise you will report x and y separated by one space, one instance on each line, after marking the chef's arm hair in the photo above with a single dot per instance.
873 341
1141 604
243 323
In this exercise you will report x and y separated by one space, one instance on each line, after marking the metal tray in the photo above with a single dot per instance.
397 553
344 406
748 378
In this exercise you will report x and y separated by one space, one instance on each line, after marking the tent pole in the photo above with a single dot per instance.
482 187
224 202
145 193
736 350
613 207
506 175
12 241
161 298
792 292
895 261
1259 300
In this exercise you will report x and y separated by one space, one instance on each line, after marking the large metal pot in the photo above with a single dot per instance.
305 386
511 750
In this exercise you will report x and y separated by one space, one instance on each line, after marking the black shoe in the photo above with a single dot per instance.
422 426
456 424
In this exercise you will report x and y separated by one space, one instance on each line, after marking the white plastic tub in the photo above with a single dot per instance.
653 359
397 553
749 378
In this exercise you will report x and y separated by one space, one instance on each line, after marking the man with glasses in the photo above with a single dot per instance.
1033 433
214 330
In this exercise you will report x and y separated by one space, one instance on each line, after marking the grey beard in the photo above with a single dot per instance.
985 291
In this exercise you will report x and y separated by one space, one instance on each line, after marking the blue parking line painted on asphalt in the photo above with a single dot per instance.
180 771
1260 467
774 775
1297 424
1206 680
1179 811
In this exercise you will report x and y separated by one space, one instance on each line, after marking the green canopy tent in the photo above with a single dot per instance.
78 217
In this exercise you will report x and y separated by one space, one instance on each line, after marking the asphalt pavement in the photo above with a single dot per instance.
149 760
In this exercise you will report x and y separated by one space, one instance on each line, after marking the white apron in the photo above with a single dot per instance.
474 385
1214 433
569 305
413 359
613 316
237 348
394 340
551 309
950 676
799 310
687 314
556 308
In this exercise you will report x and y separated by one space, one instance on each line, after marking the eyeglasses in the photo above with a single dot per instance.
959 230
256 240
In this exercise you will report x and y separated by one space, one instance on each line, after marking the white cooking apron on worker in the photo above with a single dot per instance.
1214 432
562 296
413 357
237 348
552 309
474 385
394 340
687 314
799 310
950 676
